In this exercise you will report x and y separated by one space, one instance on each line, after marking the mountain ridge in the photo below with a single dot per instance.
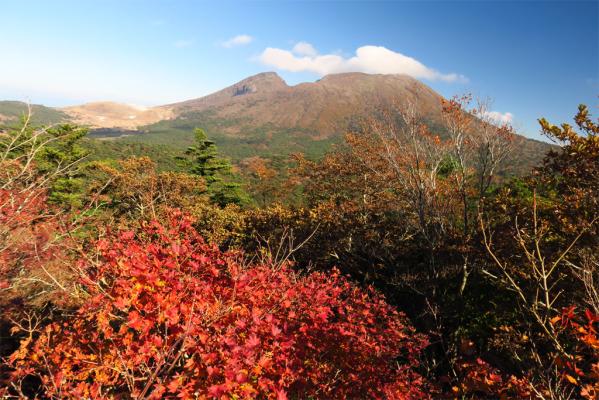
323 106
110 114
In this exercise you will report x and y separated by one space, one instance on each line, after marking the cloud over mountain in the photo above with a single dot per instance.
369 59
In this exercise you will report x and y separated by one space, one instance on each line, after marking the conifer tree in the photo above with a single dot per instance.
64 154
202 159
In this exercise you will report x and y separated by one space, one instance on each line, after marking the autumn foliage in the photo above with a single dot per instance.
171 316
121 280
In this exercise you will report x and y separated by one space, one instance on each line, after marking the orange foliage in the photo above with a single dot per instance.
581 367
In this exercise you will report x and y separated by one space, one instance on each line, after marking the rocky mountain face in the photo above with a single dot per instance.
323 107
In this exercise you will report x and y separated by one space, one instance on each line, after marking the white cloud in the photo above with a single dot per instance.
238 40
370 59
498 117
180 44
304 49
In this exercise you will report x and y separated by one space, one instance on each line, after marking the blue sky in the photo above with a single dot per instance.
533 58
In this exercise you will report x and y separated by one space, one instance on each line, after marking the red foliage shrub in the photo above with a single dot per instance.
25 230
170 316
25 235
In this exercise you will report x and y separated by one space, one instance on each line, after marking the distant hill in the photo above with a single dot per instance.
12 111
262 115
115 115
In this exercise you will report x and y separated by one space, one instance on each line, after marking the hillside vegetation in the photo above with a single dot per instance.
12 111
406 262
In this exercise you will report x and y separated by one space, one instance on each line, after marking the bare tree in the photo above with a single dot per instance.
587 271
493 142
544 272
400 151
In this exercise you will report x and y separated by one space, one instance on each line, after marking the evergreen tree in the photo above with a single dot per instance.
64 155
202 159
55 155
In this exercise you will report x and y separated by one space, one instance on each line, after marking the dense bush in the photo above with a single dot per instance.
134 190
171 316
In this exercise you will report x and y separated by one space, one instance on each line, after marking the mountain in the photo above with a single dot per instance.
263 116
323 108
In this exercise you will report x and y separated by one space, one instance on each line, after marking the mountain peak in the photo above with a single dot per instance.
268 75
263 82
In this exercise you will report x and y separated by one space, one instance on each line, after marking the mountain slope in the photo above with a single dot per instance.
12 111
